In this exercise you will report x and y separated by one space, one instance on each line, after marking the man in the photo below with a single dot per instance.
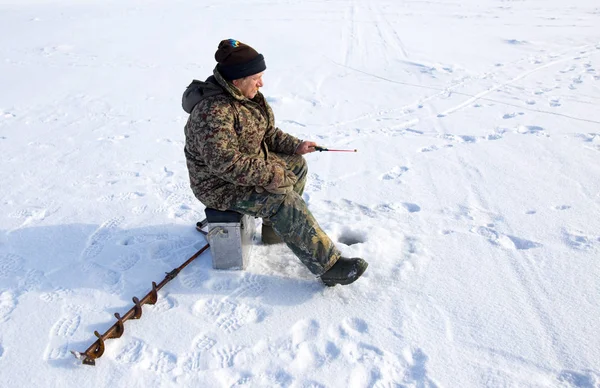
238 160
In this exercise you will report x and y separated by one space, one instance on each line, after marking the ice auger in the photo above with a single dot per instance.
97 348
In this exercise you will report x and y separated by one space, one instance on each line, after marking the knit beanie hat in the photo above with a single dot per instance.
238 60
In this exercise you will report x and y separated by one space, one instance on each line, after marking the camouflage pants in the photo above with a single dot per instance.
292 220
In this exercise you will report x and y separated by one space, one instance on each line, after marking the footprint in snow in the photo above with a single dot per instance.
132 352
411 207
10 265
112 281
523 244
6 115
394 173
249 286
58 294
66 326
54 353
195 362
120 197
193 279
226 356
229 314
428 149
579 379
505 241
305 330
512 115
366 371
562 207
467 139
579 241
349 207
100 237
161 362
139 209
8 302
515 41
165 249
126 262
435 148
493 136
554 102
203 343
531 130
577 80
417 371
592 140
163 304
356 326
34 279
568 69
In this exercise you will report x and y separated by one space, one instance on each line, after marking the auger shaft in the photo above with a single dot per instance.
115 331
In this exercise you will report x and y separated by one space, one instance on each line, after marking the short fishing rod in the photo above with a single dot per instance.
321 149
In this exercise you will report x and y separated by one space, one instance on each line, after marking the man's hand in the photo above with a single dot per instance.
306 147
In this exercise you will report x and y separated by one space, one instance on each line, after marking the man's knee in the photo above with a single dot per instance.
303 164
299 166
292 207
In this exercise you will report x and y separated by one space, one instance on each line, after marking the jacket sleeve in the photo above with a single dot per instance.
277 140
213 137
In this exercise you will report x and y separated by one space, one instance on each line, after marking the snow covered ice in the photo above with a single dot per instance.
474 194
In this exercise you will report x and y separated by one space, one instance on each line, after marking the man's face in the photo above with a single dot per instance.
249 86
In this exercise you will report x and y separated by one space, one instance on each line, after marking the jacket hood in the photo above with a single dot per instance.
198 91
214 85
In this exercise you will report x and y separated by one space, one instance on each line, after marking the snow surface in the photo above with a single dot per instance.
474 195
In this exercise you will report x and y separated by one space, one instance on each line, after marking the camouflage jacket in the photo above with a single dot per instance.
229 142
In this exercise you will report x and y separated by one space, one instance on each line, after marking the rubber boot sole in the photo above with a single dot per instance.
347 280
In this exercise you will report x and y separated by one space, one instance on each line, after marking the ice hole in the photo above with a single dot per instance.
351 237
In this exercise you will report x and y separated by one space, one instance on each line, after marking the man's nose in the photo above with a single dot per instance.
260 83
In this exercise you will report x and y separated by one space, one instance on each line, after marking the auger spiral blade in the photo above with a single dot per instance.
96 350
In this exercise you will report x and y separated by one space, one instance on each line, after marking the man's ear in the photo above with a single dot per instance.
236 82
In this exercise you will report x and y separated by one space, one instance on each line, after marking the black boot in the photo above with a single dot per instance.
268 235
344 271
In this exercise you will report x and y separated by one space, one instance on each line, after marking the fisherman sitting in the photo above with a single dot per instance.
239 160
